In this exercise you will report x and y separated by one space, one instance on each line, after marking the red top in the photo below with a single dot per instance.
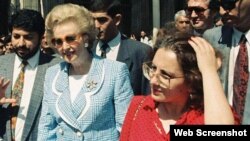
144 124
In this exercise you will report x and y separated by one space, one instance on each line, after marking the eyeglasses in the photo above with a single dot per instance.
149 71
228 4
197 10
69 39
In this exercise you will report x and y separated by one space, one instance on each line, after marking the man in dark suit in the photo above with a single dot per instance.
26 34
107 15
235 15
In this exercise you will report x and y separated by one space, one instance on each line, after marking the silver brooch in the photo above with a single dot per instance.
91 84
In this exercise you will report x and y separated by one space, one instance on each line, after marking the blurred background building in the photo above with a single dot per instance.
138 14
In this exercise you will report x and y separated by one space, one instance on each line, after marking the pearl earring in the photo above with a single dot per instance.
86 44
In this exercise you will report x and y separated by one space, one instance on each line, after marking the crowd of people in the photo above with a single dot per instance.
75 76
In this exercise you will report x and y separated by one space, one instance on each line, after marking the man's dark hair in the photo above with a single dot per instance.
112 7
28 20
213 5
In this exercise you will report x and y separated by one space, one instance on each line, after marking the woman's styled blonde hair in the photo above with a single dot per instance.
63 13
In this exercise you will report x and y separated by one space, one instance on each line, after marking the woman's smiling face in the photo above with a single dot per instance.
68 41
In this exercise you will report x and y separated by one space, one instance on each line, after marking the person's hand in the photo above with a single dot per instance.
132 36
205 54
3 86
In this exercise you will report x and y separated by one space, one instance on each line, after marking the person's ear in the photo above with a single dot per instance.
85 38
219 62
117 19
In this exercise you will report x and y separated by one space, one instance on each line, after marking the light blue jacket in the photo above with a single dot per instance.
97 113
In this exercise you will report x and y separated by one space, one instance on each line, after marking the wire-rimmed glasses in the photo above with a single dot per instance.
149 71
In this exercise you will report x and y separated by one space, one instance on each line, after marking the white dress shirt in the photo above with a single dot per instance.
75 85
112 51
145 40
232 60
29 79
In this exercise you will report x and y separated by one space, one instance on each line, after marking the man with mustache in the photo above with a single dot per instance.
107 15
21 88
227 39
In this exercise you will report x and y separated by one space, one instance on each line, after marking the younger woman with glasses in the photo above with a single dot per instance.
86 97
185 89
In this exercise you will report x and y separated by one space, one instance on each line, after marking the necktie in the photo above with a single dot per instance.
241 75
17 94
104 49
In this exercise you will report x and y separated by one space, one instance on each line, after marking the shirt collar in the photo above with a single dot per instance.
32 62
247 34
237 35
113 43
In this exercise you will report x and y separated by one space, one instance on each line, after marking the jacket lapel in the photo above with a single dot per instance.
246 115
9 75
8 71
92 84
37 95
124 52
225 45
63 102
93 49
226 36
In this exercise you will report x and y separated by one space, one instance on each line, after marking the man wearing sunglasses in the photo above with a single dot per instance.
201 14
107 15
21 88
227 39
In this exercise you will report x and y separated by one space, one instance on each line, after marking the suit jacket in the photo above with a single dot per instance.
221 39
99 109
33 114
134 54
